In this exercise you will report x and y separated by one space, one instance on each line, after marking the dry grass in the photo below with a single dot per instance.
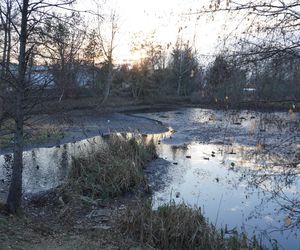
178 227
111 170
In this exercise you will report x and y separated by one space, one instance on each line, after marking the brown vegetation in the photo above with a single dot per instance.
174 226
111 170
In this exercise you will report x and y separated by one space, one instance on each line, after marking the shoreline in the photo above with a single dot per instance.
101 125
83 124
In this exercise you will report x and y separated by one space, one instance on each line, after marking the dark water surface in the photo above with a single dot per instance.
241 168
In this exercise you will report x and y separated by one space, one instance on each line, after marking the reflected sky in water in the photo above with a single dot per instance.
229 163
45 168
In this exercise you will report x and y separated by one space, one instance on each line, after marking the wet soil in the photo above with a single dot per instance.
57 129
47 222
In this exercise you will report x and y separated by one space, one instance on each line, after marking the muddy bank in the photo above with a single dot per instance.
58 129
48 224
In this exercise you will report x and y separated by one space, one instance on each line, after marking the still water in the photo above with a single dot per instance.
241 168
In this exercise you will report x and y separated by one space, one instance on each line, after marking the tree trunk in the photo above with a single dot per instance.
13 202
14 198
4 56
9 7
179 81
2 72
108 84
179 86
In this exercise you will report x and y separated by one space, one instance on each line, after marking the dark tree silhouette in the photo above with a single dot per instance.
31 13
269 27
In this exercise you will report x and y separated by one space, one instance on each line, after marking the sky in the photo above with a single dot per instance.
163 17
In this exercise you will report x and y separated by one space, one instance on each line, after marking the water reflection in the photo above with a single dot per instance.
45 168
243 170
229 196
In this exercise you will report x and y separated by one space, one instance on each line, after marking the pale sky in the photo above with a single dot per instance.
164 17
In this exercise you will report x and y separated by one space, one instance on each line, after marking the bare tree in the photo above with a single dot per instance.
7 13
108 45
151 52
63 40
269 27
147 74
31 13
15 190
91 53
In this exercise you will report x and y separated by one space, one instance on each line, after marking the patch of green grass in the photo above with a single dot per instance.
112 169
174 226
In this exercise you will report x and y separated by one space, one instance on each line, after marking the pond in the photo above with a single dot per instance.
241 168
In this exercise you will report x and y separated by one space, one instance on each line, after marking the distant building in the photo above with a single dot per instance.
42 75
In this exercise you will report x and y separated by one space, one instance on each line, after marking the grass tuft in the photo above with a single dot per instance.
111 169
174 226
